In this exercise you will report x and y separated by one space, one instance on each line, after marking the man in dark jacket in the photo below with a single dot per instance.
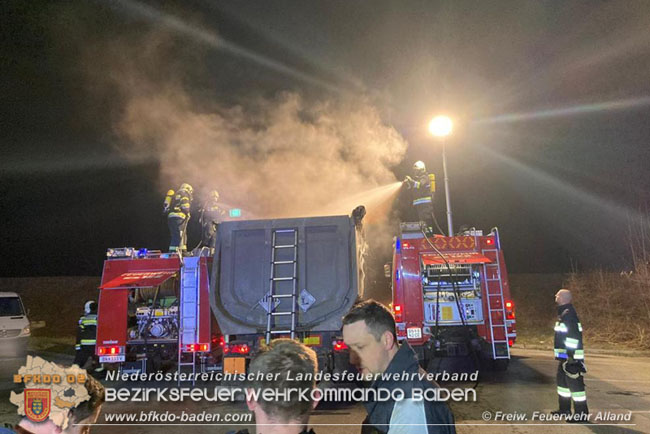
369 332
569 351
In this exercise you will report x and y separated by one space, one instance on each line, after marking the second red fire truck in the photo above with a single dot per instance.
451 295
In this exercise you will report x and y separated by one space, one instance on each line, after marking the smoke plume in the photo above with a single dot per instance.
276 157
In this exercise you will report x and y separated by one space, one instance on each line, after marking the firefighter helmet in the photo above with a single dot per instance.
187 187
90 307
419 167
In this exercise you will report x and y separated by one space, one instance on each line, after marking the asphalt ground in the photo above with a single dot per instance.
506 401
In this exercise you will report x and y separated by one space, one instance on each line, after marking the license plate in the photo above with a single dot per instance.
111 359
414 333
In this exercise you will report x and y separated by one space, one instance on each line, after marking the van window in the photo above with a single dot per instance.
11 306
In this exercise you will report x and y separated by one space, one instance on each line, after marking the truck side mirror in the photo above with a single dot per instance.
387 271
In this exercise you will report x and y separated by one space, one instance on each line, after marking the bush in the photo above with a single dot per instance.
614 308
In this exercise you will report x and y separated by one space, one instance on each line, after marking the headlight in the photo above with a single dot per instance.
25 331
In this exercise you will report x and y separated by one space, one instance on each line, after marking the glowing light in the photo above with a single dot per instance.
440 126
340 346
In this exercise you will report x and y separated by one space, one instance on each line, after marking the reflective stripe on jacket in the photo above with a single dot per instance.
568 334
87 330
421 190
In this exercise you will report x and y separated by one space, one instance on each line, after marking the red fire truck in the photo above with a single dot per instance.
267 279
451 295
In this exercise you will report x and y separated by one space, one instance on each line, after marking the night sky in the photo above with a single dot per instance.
551 102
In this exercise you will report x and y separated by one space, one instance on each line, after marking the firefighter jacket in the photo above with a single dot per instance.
87 330
421 186
181 204
211 213
568 334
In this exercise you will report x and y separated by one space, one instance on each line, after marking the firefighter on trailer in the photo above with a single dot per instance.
423 187
570 353
211 215
177 207
86 334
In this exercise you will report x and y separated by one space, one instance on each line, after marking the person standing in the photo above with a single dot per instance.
569 351
423 190
369 332
272 371
211 215
86 334
177 207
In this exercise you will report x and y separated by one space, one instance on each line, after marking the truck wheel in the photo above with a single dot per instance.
500 365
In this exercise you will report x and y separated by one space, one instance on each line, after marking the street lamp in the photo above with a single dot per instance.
441 126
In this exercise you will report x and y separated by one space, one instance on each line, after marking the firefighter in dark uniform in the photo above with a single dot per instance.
86 334
569 352
423 187
211 215
177 207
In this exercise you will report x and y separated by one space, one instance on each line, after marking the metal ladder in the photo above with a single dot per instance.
495 267
275 295
188 312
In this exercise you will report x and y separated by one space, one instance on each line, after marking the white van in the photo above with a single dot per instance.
14 326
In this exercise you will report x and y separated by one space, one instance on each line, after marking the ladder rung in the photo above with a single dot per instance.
284 230
285 246
281 313
283 262
282 278
277 332
282 295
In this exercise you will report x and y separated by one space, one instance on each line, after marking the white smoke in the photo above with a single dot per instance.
276 157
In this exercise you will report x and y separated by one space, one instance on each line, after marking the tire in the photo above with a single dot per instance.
499 365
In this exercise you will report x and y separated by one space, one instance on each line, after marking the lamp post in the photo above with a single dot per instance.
441 126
